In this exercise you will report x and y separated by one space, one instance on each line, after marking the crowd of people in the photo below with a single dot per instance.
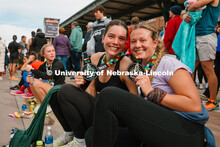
113 110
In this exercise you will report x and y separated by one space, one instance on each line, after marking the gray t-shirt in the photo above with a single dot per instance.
23 48
167 66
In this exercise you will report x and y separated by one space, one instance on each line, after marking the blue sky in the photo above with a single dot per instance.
20 17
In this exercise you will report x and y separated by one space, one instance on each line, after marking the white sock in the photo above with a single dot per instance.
69 133
206 85
81 141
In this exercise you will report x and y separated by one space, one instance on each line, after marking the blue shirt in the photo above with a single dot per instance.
208 21
218 44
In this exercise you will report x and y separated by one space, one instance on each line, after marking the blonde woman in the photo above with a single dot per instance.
45 78
169 113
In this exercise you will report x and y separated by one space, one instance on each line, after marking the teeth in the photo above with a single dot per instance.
139 51
113 48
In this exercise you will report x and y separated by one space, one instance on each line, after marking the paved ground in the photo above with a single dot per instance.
10 104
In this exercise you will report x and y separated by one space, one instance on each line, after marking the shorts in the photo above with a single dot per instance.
13 60
206 47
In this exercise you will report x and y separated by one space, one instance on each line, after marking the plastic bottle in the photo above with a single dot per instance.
32 106
24 107
48 138
39 143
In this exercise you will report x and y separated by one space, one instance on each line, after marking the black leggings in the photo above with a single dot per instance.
153 124
73 108
201 74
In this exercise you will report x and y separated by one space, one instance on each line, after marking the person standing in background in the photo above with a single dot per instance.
99 27
23 51
2 57
14 49
206 42
134 21
62 47
39 41
29 45
76 45
87 36
172 27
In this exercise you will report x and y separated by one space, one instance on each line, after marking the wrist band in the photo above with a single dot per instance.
156 95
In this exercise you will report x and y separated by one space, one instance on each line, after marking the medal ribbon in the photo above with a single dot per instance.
150 63
50 81
107 64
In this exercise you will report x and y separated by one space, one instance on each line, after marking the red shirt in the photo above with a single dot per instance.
36 64
170 33
127 45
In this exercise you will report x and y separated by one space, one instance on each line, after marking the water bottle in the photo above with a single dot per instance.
24 107
48 138
32 106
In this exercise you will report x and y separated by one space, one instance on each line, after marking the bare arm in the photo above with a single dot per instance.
30 59
29 44
125 62
80 81
187 98
199 4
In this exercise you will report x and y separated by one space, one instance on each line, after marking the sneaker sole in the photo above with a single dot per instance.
27 97
216 108
16 94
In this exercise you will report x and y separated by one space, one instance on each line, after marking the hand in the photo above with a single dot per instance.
31 58
187 18
28 68
79 80
30 79
144 82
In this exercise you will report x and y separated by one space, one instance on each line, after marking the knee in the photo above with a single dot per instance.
64 92
37 83
108 95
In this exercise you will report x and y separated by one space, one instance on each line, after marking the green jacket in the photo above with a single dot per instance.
76 39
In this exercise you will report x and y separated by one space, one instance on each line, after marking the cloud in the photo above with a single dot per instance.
7 31
20 17
32 12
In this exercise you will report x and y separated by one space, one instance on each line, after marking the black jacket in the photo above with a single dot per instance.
86 39
42 72
38 42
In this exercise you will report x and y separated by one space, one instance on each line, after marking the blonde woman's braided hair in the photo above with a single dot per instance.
160 49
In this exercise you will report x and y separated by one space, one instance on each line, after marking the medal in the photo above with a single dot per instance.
49 71
90 70
135 69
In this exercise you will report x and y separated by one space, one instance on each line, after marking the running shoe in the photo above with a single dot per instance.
211 105
15 87
62 140
73 143
27 95
17 92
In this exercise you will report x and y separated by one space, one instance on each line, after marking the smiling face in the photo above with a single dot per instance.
141 43
114 40
49 53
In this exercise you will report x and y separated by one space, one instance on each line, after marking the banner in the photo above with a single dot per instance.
51 27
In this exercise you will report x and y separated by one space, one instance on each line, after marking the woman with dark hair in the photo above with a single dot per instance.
169 113
74 107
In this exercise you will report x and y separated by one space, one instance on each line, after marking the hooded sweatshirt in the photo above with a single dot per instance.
38 42
76 39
